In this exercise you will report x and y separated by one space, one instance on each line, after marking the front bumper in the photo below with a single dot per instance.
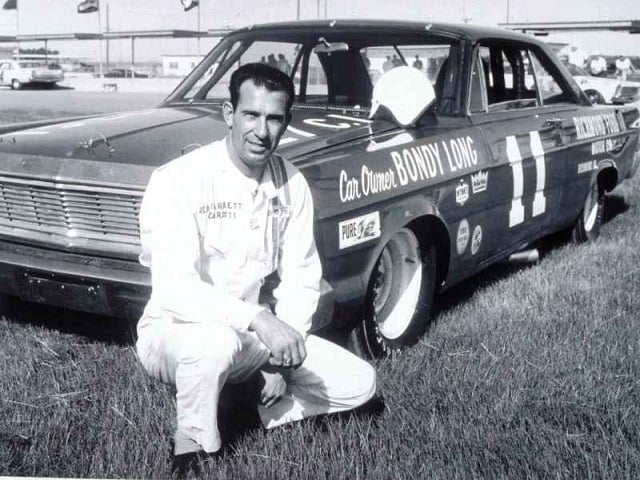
105 286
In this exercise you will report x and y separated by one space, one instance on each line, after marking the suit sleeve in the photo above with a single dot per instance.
171 248
300 270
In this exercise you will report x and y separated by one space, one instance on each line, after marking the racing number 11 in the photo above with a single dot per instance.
516 213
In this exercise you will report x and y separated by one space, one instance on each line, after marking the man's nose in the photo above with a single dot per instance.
261 127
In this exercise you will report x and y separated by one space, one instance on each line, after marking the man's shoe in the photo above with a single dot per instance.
186 463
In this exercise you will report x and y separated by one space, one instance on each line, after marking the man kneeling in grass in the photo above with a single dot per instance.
213 224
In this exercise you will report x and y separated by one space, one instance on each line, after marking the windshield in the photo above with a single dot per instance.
576 71
328 72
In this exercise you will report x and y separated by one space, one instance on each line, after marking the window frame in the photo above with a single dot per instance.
523 48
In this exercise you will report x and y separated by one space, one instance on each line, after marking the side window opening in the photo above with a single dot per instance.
479 84
514 77
550 89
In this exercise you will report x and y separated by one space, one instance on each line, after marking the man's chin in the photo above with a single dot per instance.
259 155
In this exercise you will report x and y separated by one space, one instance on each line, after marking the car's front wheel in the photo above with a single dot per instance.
595 97
587 227
399 297
16 84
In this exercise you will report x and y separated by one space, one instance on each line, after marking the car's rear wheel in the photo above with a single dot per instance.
587 227
399 297
595 97
16 84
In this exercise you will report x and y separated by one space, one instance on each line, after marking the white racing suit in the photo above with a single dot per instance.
210 236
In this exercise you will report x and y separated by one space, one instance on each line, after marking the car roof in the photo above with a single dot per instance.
363 26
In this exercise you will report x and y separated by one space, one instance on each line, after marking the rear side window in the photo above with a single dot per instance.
507 77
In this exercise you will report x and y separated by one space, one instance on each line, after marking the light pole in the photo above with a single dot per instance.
198 40
100 40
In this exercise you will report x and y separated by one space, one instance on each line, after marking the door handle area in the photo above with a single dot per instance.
553 122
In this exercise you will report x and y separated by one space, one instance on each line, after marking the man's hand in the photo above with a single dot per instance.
284 342
274 386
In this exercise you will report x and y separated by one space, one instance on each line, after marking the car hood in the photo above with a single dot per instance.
154 136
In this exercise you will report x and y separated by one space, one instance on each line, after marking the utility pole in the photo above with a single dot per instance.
198 41
107 30
298 10
100 41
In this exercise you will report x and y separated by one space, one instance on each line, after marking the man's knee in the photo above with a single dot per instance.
366 380
212 346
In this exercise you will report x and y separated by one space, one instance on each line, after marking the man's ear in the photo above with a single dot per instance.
227 113
287 119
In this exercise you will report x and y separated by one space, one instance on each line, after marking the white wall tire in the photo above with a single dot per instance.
587 227
16 84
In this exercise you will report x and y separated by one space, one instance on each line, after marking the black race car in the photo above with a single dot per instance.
508 150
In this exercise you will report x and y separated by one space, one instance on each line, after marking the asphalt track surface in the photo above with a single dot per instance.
72 102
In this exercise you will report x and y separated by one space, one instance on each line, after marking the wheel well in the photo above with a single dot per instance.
430 229
607 179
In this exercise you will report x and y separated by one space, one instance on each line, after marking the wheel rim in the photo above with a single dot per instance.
594 97
397 284
591 208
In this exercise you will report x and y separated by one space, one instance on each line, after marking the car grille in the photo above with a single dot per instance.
97 217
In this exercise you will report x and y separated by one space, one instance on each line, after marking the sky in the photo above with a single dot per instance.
59 16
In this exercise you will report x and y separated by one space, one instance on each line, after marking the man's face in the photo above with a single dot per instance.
257 123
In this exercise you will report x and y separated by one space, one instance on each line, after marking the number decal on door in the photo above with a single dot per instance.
516 213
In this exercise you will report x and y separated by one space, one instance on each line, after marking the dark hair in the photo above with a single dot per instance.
262 75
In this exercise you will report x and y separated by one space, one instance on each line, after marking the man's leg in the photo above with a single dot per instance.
330 380
198 358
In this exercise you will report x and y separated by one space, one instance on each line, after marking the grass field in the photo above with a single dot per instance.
526 372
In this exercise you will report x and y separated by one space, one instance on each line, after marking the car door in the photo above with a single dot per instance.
527 138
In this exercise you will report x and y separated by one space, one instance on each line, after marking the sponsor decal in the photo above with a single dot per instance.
462 238
476 239
359 230
410 165
589 126
479 181
586 167
462 192
605 146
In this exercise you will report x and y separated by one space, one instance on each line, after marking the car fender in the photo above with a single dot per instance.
421 214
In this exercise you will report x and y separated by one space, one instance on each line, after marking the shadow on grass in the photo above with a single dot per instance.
37 86
99 328
614 205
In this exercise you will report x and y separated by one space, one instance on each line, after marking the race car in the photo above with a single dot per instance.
418 181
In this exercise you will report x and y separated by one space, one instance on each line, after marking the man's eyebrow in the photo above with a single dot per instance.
257 113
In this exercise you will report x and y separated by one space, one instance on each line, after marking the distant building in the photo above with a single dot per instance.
179 65
6 52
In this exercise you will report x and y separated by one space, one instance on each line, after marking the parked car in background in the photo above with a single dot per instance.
16 73
502 149
627 93
598 89
124 73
